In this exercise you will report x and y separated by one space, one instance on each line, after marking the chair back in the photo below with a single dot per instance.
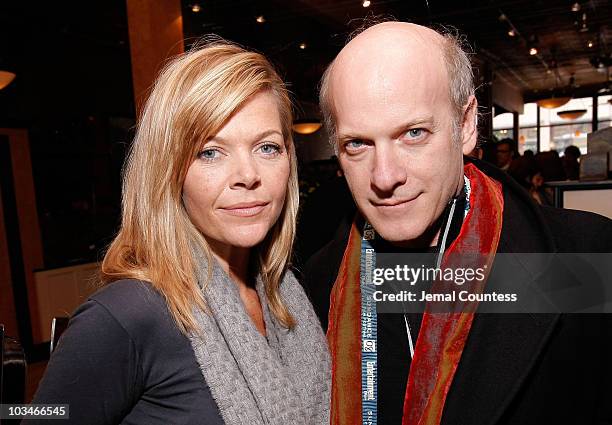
58 326
13 369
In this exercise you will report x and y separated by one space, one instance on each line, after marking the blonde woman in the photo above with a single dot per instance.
200 321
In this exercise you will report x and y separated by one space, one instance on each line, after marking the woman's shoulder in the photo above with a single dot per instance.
126 293
138 307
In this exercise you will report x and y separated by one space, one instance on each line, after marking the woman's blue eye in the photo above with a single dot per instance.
270 149
208 154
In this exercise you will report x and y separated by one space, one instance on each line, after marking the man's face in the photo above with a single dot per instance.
395 141
504 154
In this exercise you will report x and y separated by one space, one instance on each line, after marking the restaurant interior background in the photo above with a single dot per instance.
73 74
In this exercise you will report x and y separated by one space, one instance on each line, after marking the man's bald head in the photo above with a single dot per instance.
392 47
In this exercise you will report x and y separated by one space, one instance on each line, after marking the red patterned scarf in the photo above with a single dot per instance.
442 336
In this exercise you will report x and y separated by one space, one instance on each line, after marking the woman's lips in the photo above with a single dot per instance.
245 209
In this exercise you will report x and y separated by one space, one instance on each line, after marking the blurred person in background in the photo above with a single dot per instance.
526 172
571 164
504 153
550 165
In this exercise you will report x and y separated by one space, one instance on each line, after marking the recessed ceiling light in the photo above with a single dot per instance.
366 3
302 46
260 19
533 51
575 7
195 8
5 78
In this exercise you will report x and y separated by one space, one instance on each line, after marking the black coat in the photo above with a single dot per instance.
518 369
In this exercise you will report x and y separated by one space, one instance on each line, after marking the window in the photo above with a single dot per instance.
503 134
503 126
528 132
562 136
558 133
528 139
555 132
604 112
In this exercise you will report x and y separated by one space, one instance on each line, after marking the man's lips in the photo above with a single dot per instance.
392 204
245 209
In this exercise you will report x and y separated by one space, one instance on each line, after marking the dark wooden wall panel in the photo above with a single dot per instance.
23 243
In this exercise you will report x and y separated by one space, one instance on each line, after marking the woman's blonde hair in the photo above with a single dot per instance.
192 99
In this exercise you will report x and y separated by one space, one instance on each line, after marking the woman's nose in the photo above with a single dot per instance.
245 172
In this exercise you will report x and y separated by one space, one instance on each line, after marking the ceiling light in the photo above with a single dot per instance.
575 7
511 33
195 8
590 44
302 46
306 126
260 19
553 102
533 51
572 114
366 3
6 78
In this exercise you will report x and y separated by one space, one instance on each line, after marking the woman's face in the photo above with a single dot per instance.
235 188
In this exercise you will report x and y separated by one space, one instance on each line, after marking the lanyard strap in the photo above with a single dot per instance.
369 337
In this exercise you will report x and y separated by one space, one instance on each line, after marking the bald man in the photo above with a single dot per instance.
399 105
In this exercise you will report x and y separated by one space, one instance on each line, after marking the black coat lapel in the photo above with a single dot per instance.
500 352
502 349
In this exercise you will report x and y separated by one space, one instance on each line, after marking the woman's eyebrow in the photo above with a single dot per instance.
258 136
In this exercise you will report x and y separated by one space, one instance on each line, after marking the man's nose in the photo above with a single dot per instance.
245 171
389 170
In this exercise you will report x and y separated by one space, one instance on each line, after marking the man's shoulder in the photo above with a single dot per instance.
327 259
579 231
570 230
321 270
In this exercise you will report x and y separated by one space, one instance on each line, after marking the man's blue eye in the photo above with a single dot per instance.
354 144
415 132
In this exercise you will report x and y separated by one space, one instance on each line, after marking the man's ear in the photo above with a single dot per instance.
469 125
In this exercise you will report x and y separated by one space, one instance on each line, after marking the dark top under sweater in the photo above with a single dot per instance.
122 359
